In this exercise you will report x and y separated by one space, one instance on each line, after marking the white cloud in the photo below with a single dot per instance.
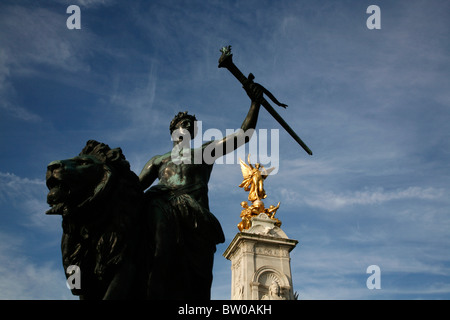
90 3
332 201
19 112
8 104
40 36
326 266
21 278
132 97
32 39
13 187
28 198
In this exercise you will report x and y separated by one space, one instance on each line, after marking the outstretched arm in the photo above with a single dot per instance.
243 135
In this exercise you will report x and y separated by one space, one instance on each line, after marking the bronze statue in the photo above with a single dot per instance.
131 245
184 231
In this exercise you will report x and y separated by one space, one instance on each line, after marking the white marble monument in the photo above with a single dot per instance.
260 262
260 252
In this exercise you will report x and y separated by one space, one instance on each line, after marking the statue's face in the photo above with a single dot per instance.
274 288
186 127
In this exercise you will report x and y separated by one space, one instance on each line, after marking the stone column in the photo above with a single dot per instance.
260 262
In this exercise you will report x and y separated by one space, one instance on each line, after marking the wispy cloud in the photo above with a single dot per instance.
17 111
94 3
133 97
40 37
32 39
28 197
331 264
13 186
332 201
9 96
23 279
21 275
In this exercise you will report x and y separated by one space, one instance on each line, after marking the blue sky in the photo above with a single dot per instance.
373 105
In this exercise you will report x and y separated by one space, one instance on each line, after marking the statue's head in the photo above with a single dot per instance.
244 204
274 288
184 123
76 183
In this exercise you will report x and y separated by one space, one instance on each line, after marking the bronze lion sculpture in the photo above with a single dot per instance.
100 200
123 242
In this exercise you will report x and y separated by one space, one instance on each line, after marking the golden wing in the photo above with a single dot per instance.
245 169
247 173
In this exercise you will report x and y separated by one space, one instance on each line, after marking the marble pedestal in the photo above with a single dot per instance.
260 262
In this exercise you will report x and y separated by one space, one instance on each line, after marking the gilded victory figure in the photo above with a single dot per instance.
253 183
254 179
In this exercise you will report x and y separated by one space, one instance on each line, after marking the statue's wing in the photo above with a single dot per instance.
245 169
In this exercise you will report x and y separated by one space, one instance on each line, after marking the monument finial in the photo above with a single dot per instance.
253 183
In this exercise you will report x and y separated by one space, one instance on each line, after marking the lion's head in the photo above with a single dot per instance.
79 181
99 198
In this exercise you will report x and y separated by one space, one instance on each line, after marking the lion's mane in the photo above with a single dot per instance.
103 237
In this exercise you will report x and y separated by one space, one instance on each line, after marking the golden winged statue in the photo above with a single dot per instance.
254 179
